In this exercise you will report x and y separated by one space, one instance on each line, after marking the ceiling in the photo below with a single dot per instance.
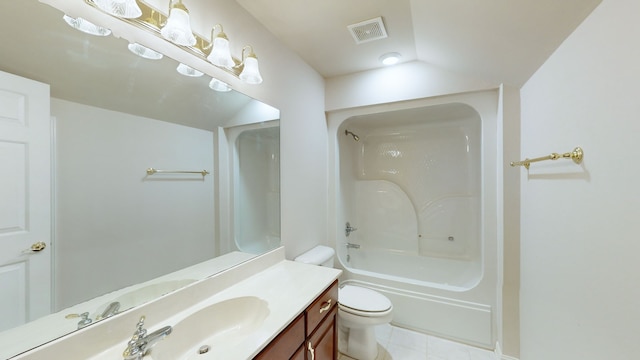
503 41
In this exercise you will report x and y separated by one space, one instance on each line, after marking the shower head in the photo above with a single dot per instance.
355 137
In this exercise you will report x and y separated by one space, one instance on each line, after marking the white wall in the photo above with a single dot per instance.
580 268
298 91
412 80
114 219
289 84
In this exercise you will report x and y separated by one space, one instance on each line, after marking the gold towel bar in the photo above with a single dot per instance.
576 155
151 171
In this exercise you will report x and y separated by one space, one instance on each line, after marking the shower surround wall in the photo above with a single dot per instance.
420 188
255 153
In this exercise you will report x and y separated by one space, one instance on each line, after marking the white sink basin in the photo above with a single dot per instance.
217 327
144 294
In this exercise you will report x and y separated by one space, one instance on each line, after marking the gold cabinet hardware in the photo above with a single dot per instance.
311 351
326 306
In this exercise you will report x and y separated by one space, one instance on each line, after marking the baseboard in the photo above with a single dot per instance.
505 357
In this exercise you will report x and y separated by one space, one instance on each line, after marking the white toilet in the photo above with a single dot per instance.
359 310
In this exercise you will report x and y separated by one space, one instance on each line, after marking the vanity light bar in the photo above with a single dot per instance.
152 20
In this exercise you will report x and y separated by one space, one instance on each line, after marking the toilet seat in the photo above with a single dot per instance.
362 301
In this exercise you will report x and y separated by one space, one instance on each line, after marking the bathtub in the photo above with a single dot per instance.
439 273
419 181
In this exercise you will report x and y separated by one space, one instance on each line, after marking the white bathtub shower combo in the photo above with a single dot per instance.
417 183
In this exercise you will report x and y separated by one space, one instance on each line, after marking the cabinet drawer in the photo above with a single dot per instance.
285 345
321 307
323 341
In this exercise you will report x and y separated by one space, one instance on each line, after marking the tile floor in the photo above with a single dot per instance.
396 343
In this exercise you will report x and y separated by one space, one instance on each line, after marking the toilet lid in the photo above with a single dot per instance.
362 299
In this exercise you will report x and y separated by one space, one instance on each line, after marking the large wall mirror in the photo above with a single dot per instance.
120 234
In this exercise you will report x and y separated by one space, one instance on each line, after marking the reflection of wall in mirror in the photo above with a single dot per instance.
116 226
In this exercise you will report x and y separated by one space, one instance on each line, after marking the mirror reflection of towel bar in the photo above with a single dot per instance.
152 171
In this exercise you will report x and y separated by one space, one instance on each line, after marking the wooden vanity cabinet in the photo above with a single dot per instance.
287 343
313 335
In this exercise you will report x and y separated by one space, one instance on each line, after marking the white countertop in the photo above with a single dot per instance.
56 325
287 287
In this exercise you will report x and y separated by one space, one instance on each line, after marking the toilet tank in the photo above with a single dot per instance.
319 255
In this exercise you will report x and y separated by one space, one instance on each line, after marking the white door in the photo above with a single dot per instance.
25 200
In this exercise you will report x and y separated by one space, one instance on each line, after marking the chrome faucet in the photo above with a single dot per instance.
141 343
84 320
348 230
353 246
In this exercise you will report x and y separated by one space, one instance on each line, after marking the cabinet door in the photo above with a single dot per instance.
322 345
287 344
299 355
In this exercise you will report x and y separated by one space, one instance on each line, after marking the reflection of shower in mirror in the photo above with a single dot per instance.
256 188
355 137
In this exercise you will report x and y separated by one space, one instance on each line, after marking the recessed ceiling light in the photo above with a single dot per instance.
391 58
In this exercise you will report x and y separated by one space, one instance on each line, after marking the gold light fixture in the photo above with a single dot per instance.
250 70
86 26
220 54
127 9
177 29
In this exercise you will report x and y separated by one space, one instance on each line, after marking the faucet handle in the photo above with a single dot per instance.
140 330
84 320
349 229
134 350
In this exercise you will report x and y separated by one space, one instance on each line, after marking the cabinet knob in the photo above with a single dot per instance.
325 306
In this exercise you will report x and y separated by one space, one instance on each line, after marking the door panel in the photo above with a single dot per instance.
12 192
25 200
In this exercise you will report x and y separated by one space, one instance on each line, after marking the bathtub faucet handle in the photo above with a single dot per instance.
348 229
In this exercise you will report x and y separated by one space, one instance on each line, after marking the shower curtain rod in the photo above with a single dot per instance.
576 155
151 171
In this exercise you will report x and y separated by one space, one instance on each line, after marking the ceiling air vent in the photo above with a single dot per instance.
368 30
